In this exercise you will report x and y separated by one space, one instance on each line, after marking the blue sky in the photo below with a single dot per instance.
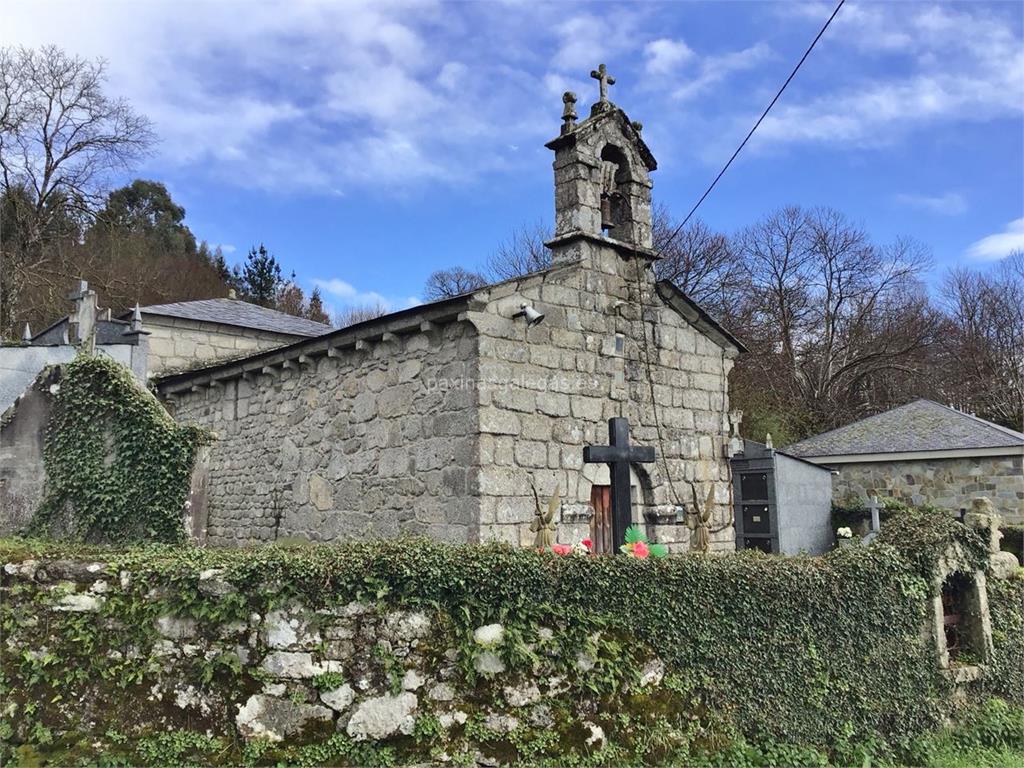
369 143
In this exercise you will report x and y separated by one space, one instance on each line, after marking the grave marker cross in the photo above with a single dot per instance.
618 455
876 523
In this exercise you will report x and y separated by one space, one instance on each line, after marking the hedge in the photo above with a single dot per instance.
821 652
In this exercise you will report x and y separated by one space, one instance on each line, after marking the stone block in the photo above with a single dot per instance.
273 719
498 422
384 716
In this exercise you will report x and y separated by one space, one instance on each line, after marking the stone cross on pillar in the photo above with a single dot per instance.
604 79
874 506
618 455
82 322
876 522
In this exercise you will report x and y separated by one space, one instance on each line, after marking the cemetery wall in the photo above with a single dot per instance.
946 483
608 346
22 435
348 446
177 344
381 653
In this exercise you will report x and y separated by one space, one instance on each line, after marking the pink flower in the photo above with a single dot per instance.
561 549
640 550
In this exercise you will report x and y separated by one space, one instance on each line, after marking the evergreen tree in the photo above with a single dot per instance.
146 208
260 277
315 310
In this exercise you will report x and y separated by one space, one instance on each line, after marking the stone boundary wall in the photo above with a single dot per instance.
547 391
177 344
385 653
944 483
350 446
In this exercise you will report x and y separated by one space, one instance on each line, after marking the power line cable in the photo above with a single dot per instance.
756 125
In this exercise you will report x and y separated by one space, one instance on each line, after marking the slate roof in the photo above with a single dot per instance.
239 313
922 425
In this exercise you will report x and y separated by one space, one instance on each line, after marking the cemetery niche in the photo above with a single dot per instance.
782 503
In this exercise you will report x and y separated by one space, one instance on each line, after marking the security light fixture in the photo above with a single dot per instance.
533 317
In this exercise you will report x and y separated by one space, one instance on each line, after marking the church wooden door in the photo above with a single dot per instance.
601 524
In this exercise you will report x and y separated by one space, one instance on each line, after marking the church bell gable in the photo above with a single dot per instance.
602 179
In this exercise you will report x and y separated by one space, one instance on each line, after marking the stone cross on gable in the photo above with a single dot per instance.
618 455
604 79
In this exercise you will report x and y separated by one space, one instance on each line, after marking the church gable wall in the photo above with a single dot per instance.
548 390
176 344
373 443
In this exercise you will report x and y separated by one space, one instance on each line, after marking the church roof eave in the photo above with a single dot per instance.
411 320
697 316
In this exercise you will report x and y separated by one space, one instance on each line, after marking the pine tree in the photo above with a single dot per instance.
315 310
260 277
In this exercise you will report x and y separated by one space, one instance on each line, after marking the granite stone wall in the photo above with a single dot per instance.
361 444
176 344
949 483
22 439
606 345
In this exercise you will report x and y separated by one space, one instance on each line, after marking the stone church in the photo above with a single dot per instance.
452 419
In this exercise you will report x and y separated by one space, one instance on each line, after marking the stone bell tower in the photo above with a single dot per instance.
602 181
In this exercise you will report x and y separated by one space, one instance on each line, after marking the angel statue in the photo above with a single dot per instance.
544 521
697 521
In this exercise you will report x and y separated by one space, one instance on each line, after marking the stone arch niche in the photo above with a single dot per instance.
960 624
616 212
602 186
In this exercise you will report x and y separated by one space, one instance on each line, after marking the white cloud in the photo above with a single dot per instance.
316 96
948 204
664 56
997 246
941 63
347 295
225 248
714 69
451 74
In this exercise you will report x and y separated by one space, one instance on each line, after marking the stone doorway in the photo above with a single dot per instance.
601 522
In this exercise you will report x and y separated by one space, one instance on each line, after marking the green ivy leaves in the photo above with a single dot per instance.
117 465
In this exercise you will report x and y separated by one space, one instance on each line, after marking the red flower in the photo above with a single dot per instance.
640 549
588 544
561 549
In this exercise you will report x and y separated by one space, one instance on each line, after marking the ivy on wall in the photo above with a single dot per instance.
117 465
824 653
924 534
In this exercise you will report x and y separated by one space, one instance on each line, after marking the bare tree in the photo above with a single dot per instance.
60 135
700 262
983 350
832 316
446 283
522 253
359 314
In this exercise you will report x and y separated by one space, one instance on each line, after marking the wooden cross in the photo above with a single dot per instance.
618 456
601 75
